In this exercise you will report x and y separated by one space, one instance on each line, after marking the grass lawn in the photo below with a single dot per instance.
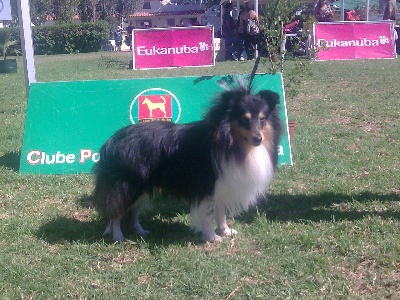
330 228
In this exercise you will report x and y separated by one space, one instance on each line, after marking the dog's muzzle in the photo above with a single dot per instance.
256 140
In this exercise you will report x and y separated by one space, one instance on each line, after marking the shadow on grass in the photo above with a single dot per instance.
229 79
167 207
164 231
323 207
11 161
279 208
69 230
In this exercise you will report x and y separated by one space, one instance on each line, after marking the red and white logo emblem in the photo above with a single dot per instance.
155 105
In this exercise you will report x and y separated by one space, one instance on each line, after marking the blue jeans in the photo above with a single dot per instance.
233 45
250 45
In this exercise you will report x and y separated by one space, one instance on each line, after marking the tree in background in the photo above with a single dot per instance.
125 7
85 10
64 11
39 11
104 9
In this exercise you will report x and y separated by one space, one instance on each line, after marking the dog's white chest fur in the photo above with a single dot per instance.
239 185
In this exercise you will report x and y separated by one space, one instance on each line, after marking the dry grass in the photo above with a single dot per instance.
329 229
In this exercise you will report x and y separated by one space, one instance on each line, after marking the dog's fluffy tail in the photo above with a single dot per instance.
112 193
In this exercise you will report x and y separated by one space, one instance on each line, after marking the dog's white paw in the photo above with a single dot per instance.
113 227
212 237
140 231
119 238
117 234
227 232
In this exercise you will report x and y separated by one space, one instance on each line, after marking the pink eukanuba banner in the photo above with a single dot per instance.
173 47
354 40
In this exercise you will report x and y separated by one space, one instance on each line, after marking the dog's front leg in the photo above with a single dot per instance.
220 218
202 216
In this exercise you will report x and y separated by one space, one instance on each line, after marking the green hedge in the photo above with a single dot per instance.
66 38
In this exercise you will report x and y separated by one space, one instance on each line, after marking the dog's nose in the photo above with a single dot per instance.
257 140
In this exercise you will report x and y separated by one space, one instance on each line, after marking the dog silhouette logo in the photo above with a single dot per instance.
155 105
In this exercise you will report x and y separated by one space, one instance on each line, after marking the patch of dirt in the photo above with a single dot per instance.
368 278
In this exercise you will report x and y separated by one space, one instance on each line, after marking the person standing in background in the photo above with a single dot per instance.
129 35
230 33
118 38
390 10
249 41
323 12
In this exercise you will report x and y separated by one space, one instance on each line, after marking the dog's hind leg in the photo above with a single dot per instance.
201 217
108 228
114 227
220 218
135 211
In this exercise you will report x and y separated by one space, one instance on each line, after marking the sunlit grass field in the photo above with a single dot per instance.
329 228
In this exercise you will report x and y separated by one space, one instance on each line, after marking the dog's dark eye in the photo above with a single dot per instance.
245 119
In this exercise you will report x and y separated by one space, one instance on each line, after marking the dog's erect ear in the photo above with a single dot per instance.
223 105
271 97
219 108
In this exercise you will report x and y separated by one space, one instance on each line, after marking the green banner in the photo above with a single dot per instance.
68 122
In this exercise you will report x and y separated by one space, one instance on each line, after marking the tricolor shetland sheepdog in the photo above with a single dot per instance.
220 164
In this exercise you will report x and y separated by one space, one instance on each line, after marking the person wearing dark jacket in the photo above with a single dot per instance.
118 38
233 46
390 10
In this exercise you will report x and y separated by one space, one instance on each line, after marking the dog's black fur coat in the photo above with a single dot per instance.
185 160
